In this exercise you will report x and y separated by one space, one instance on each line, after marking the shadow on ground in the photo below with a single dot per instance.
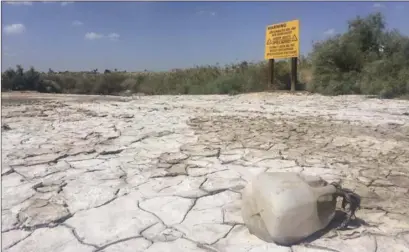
340 216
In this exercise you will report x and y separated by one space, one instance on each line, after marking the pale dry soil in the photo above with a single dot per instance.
165 173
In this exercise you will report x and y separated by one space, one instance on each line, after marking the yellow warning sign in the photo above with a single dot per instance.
282 40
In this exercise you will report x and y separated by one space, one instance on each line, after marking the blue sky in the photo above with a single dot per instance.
134 36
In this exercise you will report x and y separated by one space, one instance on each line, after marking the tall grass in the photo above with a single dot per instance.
231 79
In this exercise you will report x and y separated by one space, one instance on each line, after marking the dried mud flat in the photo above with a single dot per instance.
165 173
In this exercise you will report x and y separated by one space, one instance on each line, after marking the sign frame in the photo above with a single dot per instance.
282 40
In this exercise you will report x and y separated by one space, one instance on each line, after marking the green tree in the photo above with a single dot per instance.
7 79
366 59
31 79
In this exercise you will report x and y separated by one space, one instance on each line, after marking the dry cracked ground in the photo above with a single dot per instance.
165 173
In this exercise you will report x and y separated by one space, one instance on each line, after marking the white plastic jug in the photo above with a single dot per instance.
286 207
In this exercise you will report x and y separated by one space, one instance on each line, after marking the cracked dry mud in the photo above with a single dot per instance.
165 173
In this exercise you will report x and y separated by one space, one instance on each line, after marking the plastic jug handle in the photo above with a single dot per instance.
324 191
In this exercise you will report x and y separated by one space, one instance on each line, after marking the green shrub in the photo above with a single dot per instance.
108 83
367 59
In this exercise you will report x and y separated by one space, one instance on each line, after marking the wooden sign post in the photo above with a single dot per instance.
270 74
294 62
282 41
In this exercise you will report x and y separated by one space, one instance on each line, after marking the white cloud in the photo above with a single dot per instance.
204 12
329 32
113 36
20 3
93 36
378 5
77 23
400 7
9 54
66 3
14 29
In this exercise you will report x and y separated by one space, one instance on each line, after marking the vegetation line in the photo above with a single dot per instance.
367 59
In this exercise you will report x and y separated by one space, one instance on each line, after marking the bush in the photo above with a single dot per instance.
7 80
49 86
108 83
367 59
20 80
